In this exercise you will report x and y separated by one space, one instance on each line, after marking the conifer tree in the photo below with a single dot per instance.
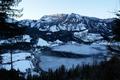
116 27
7 9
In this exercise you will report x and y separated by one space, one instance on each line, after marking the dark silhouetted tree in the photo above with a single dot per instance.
116 26
116 35
7 9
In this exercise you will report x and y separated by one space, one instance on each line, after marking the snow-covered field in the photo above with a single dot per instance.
21 61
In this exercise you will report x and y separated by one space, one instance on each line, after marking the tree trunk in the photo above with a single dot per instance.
11 59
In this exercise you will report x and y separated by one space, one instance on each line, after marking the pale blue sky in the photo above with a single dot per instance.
35 9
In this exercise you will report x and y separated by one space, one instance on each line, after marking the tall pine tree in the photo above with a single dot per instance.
7 9
116 27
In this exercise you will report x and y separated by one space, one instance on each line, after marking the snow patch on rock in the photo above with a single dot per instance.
42 42
26 38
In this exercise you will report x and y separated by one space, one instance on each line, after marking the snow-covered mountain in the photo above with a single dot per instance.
87 29
70 22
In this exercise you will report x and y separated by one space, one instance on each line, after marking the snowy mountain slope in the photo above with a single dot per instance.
70 22
73 27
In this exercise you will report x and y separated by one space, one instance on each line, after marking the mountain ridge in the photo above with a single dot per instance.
65 21
68 27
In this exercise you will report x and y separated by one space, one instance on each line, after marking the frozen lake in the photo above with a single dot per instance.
55 62
81 49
